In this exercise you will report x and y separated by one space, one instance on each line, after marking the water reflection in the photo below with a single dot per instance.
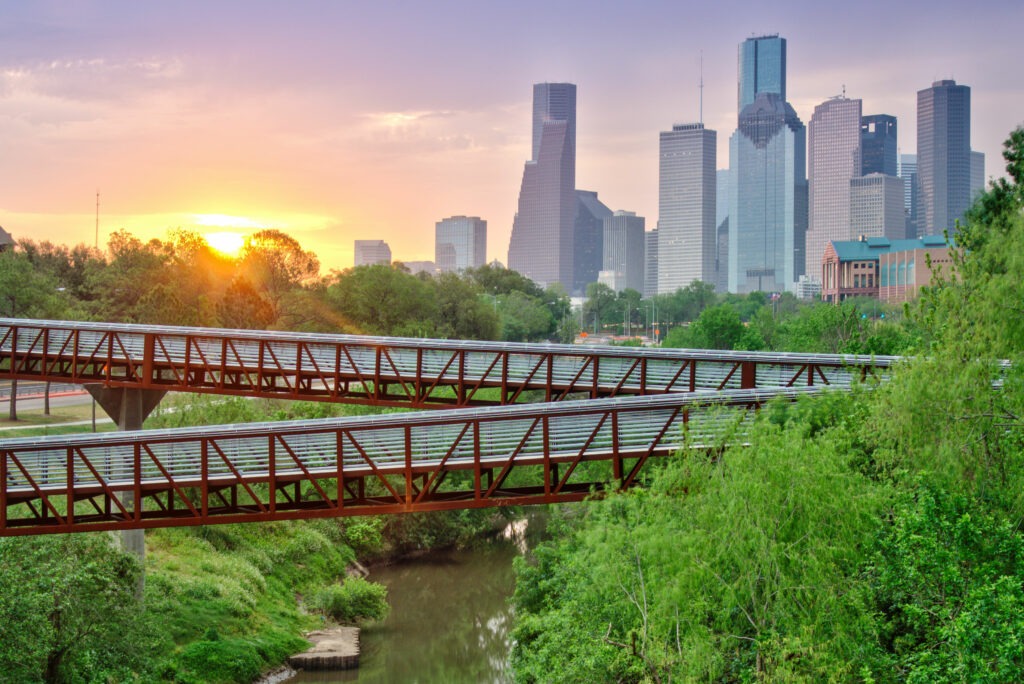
449 620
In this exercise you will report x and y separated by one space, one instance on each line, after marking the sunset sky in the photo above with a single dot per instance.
336 121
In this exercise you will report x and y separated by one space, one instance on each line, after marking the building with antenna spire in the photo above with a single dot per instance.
686 206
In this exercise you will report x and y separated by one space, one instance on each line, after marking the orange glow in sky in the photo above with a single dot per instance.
228 244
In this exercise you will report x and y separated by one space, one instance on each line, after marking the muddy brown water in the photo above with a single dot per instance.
450 617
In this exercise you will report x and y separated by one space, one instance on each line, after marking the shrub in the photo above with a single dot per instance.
353 600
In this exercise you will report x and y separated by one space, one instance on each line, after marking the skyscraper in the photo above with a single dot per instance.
943 155
624 249
460 242
834 135
650 263
541 246
368 252
977 173
878 144
767 198
911 193
686 206
588 240
876 208
762 69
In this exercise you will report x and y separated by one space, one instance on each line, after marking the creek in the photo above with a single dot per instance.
450 616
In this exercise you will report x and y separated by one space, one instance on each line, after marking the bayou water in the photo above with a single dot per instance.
450 617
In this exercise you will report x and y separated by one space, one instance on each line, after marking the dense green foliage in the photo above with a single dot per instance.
874 536
353 600
68 611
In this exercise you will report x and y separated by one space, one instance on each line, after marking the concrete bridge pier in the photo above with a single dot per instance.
128 408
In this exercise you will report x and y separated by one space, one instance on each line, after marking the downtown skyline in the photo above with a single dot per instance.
337 122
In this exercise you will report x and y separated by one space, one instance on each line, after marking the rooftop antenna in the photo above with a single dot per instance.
701 99
96 244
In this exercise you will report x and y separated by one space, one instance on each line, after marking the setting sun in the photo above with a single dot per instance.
228 244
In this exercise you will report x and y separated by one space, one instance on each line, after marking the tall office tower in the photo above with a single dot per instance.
650 263
876 208
878 144
722 230
624 249
686 206
460 242
762 69
911 193
722 257
588 240
721 195
369 252
541 246
767 197
943 155
977 174
833 138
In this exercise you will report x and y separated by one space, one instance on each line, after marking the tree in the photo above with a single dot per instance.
275 264
67 607
383 300
524 318
460 313
600 303
25 293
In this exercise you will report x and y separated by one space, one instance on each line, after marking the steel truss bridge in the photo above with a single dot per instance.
621 407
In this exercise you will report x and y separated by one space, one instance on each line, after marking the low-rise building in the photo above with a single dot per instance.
890 270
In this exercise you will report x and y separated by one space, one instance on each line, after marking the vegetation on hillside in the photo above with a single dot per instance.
874 536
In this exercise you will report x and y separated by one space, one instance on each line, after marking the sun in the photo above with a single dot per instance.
225 242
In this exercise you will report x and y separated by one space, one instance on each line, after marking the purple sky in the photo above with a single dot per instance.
341 120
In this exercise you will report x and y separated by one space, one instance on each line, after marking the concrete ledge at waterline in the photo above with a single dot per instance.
333 649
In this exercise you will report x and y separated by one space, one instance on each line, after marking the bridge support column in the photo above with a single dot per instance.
128 408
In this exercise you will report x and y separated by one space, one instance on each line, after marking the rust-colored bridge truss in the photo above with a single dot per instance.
620 407
386 371
465 458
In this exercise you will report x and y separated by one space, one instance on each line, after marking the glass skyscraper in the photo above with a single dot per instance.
587 240
762 68
541 246
767 197
460 242
686 206
768 175
878 144
943 155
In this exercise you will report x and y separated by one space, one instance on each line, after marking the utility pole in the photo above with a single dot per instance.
96 244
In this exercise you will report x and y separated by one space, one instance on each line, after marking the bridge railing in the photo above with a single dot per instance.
419 373
537 453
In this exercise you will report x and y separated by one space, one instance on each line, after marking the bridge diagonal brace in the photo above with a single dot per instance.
439 472
500 479
104 485
373 467
305 471
579 455
170 480
238 476
628 480
40 494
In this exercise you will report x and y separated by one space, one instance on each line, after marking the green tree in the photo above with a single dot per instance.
68 608
383 300
599 305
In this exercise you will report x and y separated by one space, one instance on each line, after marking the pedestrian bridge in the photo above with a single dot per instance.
620 408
